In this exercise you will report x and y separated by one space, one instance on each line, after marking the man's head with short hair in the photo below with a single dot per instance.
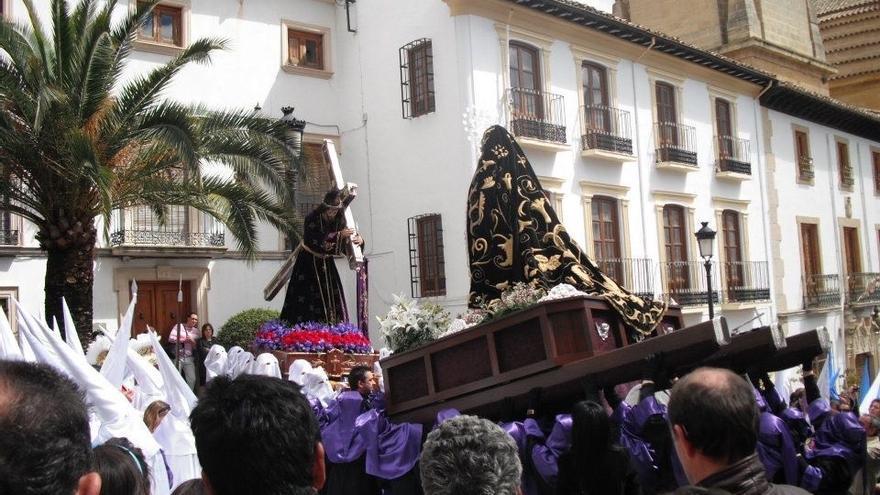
45 446
361 379
239 424
470 455
714 420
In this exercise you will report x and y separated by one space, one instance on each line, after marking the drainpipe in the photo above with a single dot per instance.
639 153
766 88
829 140
763 178
647 49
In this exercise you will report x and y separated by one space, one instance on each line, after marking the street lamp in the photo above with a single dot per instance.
705 240
297 127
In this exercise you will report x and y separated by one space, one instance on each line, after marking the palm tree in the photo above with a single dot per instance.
76 144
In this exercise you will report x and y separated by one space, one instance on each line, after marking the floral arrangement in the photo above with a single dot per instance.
312 337
562 291
520 296
409 324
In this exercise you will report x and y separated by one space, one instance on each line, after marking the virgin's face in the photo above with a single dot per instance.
874 409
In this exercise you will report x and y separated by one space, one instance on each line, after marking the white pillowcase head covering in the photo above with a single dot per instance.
231 359
266 364
316 385
243 364
215 362
297 371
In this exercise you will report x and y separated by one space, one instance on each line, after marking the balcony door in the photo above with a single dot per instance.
667 118
597 115
732 237
157 307
724 128
525 82
606 237
675 237
852 253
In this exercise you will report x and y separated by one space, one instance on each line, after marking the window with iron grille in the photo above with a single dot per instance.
426 265
310 188
417 78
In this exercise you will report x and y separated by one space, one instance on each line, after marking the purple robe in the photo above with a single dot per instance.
343 437
632 420
392 449
545 454
776 448
839 436
517 431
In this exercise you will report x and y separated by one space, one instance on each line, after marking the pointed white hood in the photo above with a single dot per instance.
215 362
266 364
9 349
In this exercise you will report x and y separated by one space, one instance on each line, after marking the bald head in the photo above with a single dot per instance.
717 411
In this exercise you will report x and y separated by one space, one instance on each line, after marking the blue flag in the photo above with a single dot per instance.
865 383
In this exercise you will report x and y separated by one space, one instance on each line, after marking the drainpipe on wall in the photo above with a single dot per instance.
642 192
837 232
763 178
647 49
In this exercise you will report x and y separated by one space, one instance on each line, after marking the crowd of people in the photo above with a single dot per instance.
65 427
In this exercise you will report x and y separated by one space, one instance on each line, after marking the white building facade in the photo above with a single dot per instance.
636 137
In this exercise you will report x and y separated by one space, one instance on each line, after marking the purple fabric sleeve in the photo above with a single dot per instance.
392 449
776 448
811 478
545 457
445 414
517 431
343 437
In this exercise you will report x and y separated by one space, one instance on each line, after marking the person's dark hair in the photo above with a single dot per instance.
122 467
467 454
205 327
356 375
44 431
240 423
717 410
191 487
595 463
875 401
795 397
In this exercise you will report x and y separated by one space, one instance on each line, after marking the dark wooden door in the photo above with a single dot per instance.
811 260
596 97
851 250
666 115
676 248
157 307
606 236
525 80
724 127
730 226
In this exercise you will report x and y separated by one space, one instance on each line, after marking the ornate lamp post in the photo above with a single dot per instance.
296 126
706 240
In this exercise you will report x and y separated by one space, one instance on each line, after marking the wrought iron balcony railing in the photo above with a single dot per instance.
184 227
634 274
746 281
821 291
805 168
686 282
8 237
536 114
606 128
733 155
862 288
675 143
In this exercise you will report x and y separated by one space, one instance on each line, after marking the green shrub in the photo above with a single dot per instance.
241 329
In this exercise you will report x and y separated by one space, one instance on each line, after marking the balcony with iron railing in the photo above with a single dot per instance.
676 146
634 274
746 281
805 168
733 157
606 132
685 282
536 117
863 288
185 230
821 291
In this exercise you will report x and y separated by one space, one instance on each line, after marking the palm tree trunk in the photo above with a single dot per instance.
70 274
